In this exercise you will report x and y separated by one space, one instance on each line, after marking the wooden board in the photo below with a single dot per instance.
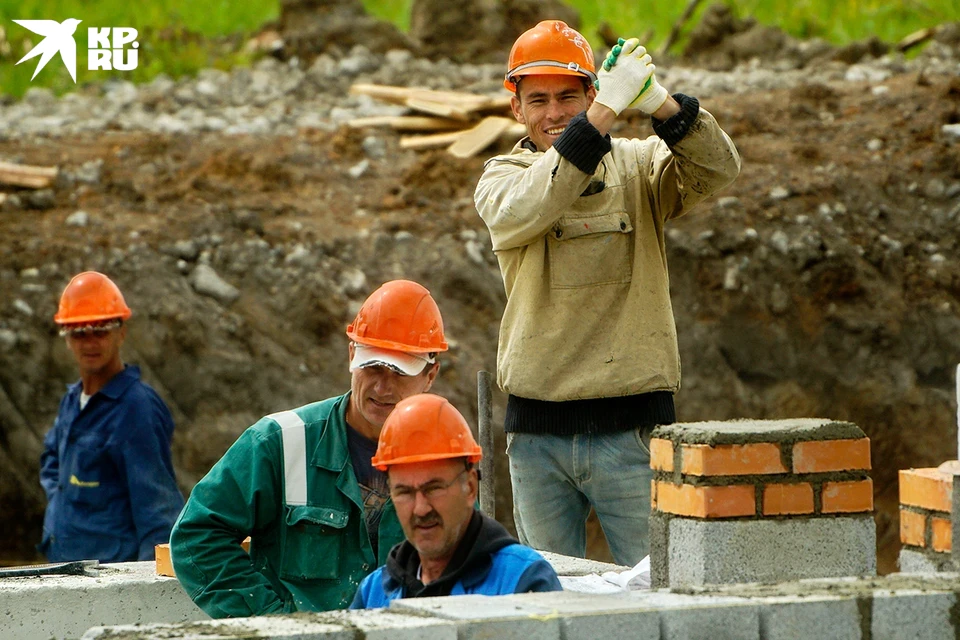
442 109
431 141
21 175
165 563
407 123
461 102
480 137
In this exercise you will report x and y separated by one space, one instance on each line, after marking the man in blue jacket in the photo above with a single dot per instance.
429 454
106 466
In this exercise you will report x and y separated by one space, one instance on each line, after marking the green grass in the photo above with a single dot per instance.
176 37
180 37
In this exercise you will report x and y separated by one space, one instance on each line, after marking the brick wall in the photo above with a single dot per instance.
925 508
762 479
760 501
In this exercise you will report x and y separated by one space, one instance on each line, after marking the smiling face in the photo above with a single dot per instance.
547 103
376 390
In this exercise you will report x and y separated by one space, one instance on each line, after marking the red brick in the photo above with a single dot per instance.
942 535
913 528
705 502
847 497
731 459
661 455
821 456
787 499
926 488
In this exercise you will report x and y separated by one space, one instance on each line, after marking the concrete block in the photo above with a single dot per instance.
916 615
570 566
685 616
66 606
501 617
266 628
373 624
823 618
737 551
913 561
731 622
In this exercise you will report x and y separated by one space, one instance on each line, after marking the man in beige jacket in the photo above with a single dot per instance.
588 347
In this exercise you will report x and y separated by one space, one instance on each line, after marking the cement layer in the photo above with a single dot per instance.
746 431
701 552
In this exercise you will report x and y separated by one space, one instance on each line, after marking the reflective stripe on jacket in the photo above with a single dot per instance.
287 482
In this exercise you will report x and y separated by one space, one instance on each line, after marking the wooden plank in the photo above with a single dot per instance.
497 103
406 123
480 137
442 109
21 175
515 131
430 141
916 38
383 92
400 95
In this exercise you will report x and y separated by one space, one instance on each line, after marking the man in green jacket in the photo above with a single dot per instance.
300 483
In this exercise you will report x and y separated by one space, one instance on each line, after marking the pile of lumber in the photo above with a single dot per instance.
30 177
463 123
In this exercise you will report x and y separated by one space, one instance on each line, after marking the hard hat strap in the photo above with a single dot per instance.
570 66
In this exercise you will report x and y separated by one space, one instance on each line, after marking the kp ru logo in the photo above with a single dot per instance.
107 46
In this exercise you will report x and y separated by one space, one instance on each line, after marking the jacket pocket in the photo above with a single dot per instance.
589 250
311 550
87 480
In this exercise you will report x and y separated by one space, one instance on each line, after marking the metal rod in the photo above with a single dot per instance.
488 495
958 412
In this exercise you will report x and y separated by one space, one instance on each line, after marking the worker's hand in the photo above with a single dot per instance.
625 75
652 95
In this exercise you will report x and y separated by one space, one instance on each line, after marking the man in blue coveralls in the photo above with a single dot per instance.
106 466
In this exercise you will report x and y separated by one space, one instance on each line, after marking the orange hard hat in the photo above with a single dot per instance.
90 297
424 427
401 315
550 48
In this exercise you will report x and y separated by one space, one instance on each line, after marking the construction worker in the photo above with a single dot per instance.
588 345
106 465
300 482
429 454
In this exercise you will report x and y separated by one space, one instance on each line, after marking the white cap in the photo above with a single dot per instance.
408 364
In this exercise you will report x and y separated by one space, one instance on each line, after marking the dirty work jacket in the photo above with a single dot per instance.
107 472
588 311
287 482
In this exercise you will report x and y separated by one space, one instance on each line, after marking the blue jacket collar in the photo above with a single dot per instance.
117 385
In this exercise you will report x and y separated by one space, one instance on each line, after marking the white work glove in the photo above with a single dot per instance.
629 71
622 76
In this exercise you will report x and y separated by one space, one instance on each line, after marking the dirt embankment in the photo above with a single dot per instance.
245 224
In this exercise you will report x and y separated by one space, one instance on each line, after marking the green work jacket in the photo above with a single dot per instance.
288 483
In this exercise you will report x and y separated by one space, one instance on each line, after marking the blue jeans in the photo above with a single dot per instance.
556 479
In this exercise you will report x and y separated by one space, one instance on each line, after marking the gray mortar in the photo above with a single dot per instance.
751 431
838 587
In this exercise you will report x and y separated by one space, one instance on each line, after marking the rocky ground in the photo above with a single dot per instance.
246 223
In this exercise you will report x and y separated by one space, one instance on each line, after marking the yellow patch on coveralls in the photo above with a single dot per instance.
80 483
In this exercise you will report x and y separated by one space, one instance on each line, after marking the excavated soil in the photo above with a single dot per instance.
823 283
